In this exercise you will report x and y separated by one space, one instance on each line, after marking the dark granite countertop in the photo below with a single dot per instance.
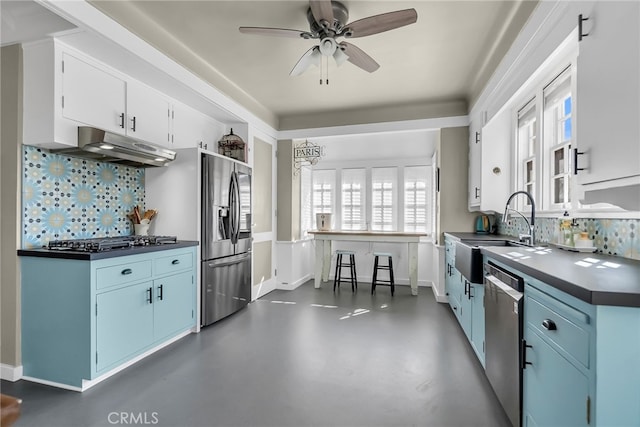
463 235
594 278
93 256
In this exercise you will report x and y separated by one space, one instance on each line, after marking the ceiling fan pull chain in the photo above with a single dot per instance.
327 71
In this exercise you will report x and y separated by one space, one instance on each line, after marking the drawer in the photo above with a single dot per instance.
562 327
123 273
177 262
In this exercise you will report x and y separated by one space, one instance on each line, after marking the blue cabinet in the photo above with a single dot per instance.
466 300
124 323
84 320
556 379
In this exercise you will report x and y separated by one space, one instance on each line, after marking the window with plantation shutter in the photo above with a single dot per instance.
323 191
383 203
353 199
416 194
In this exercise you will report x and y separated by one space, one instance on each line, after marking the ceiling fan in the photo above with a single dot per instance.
327 22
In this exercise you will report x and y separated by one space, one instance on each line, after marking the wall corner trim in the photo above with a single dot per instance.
10 372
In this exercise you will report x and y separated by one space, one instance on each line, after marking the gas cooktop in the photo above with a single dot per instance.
107 243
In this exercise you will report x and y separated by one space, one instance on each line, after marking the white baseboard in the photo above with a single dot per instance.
439 297
265 287
87 384
294 285
10 373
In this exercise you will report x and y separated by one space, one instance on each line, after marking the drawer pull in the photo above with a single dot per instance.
549 325
126 271
175 262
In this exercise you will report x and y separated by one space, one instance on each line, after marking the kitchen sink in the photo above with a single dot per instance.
469 257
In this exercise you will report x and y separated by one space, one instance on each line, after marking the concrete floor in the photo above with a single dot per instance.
306 357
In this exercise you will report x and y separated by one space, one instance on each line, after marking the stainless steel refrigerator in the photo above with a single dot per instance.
226 237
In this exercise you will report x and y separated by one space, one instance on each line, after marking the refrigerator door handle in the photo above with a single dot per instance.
235 208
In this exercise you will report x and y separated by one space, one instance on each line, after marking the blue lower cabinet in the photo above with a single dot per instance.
466 299
84 319
124 324
173 304
556 392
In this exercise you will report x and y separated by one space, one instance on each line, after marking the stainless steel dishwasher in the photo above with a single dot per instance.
503 334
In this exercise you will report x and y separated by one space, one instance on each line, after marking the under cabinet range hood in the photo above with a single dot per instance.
103 146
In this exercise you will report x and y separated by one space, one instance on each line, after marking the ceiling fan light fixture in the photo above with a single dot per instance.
340 56
328 46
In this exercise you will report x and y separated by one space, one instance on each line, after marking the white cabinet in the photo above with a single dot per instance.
475 173
64 89
490 164
192 129
91 96
608 96
148 114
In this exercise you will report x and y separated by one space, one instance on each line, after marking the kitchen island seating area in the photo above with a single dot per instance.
323 241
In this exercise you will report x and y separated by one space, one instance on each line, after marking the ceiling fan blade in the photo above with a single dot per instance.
359 58
277 32
381 23
311 57
322 10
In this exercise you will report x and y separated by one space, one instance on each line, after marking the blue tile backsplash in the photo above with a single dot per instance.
617 237
71 198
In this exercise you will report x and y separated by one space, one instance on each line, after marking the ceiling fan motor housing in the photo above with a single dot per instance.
340 18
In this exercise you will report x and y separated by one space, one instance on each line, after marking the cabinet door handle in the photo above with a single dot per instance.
126 271
476 192
549 325
133 123
161 295
523 354
150 295
581 34
122 120
175 262
469 294
576 153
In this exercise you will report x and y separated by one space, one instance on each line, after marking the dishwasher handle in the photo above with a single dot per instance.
502 287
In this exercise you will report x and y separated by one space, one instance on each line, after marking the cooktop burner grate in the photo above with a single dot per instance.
107 243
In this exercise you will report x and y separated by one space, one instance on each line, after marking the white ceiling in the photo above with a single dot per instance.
433 68
444 58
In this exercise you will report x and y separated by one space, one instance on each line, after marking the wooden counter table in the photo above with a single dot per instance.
323 249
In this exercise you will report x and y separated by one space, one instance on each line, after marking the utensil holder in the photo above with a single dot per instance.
141 229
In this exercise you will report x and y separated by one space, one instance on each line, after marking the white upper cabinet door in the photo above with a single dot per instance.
608 93
92 96
191 128
475 171
148 114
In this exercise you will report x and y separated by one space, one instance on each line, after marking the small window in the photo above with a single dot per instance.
323 191
527 148
353 199
383 206
558 133
416 191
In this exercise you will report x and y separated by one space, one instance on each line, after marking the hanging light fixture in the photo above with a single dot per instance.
233 146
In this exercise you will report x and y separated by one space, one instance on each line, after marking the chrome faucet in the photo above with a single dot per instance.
526 238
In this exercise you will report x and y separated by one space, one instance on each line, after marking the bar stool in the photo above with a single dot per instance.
377 267
352 278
